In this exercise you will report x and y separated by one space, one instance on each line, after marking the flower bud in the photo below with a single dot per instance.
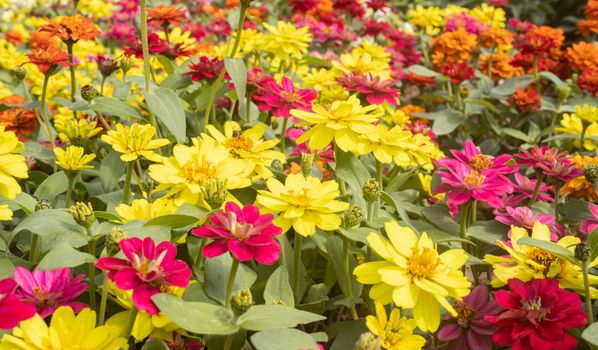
464 92
564 92
353 216
126 63
368 341
371 190
83 214
113 239
591 174
19 73
583 251
43 204
107 66
307 162
277 165
214 192
88 92
242 301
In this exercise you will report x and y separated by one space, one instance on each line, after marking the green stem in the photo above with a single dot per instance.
33 250
371 212
297 264
380 174
557 197
211 99
127 188
231 282
130 322
69 190
586 285
473 212
144 45
539 178
282 134
464 219
582 138
104 122
536 75
104 299
102 85
43 111
228 341
69 48
349 284
248 107
92 275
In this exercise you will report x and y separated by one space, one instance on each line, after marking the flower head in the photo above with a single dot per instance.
524 190
458 72
205 69
12 309
48 59
141 209
413 274
17 118
582 55
73 158
374 90
588 225
525 101
49 289
244 232
148 270
537 315
395 332
135 141
71 29
77 132
166 15
286 41
302 203
280 100
12 164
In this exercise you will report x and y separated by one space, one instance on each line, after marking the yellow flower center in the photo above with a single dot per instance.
168 289
197 174
541 257
474 179
289 96
393 334
422 265
301 197
480 162
465 314
239 142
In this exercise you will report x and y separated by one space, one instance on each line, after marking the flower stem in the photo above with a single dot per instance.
296 265
43 110
69 48
130 322
228 342
103 300
248 107
464 219
231 282
582 138
92 275
144 45
539 178
32 251
380 174
102 86
536 75
349 284
282 134
586 285
69 190
127 188
371 209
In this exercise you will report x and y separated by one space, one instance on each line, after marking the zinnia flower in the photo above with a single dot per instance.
205 69
135 141
148 270
395 332
50 289
66 331
12 309
414 275
141 209
71 29
279 100
73 158
375 91
525 101
166 15
17 118
588 225
582 55
469 330
244 232
537 315
12 164
285 41
302 203
48 59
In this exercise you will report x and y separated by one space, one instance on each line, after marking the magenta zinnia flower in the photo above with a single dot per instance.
147 270
539 155
537 315
375 91
588 225
524 190
205 69
48 290
480 162
244 232
470 330
12 309
526 218
279 100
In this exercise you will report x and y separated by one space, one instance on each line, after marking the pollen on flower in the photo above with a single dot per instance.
541 256
465 314
422 265
474 179
239 142
480 162
197 174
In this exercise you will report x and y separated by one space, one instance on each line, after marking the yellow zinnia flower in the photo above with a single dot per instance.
587 113
414 275
573 124
361 62
396 332
12 164
343 121
320 79
73 159
141 209
77 132
428 19
287 41
5 212
302 203
249 146
185 172
66 331
526 262
134 141
495 17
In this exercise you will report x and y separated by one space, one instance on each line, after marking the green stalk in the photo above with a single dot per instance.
130 322
104 299
582 138
282 134
370 214
102 85
380 174
464 219
33 250
349 285
127 188
69 48
536 75
586 285
248 107
539 178
69 190
92 275
145 45
296 264
231 282
43 110
228 341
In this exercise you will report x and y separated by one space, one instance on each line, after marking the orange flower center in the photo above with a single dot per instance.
474 179
541 257
480 162
465 314
422 265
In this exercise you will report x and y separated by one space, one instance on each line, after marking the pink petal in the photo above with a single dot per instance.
215 248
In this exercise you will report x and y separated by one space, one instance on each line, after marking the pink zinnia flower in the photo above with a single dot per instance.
147 270
205 69
470 330
375 91
12 309
564 170
537 315
526 218
244 232
588 225
524 189
480 162
49 290
279 100
539 155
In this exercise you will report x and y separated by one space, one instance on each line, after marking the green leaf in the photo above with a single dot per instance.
155 344
50 221
196 317
314 61
39 152
111 106
510 85
448 121
52 186
387 198
278 288
590 334
516 134
106 215
265 317
553 78
283 339
174 221
165 104
423 71
438 215
487 231
550 247
165 62
489 106
575 210
593 244
354 173
238 73
63 255
26 202
138 229
7 268
111 169
216 277
334 246
357 234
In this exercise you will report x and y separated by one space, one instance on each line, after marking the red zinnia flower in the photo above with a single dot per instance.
537 315
458 72
374 90
525 101
49 58
539 155
155 44
303 6
206 68
12 309
588 80
244 232
279 100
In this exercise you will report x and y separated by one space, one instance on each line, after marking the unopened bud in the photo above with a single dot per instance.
276 165
43 204
113 239
464 92
360 259
88 92
368 341
19 73
83 214
564 92
371 190
591 174
582 251
353 216
126 63
214 192
107 66
307 162
242 301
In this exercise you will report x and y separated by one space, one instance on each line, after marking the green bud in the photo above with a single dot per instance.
277 165
126 63
353 216
591 174
214 192
43 204
88 92
113 239
464 92
371 190
242 301
307 162
368 341
582 251
564 92
279 302
83 214
19 73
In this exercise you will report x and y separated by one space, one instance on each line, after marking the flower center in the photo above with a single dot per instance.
301 197
535 312
480 162
239 142
197 174
289 97
393 334
474 179
148 269
541 257
422 265
465 314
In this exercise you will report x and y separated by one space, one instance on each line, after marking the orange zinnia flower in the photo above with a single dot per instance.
17 119
166 15
501 66
71 29
46 60
43 40
453 47
582 55
580 187
498 37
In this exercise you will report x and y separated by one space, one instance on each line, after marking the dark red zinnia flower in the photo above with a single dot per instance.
524 101
537 315
155 45
375 90
206 68
588 80
458 72
303 6
372 27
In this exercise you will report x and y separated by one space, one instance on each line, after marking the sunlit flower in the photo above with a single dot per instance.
428 19
5 212
77 132
281 99
396 331
453 47
48 59
580 186
302 203
285 41
374 90
166 15
413 274
582 55
16 118
525 100
73 158
135 141
494 17
573 125
205 69
71 29
12 309
12 164
141 209
498 65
